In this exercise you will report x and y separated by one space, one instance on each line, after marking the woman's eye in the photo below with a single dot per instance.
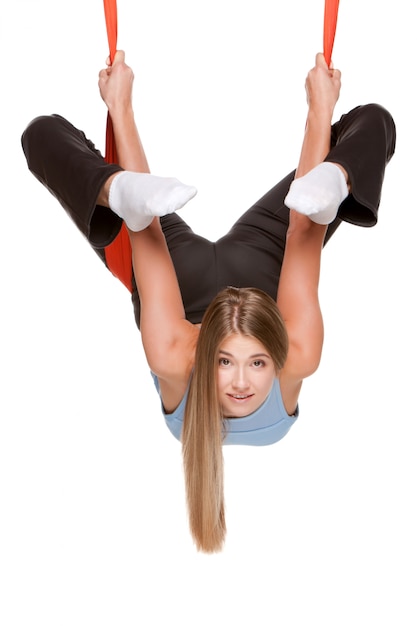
224 362
258 363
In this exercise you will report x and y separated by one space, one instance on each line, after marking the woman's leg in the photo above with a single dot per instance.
251 254
74 171
363 142
69 166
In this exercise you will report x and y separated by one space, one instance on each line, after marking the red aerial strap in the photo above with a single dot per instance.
331 8
118 253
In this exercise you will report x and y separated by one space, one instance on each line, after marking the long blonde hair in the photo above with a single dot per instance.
249 312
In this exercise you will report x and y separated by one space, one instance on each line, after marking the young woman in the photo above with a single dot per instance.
230 328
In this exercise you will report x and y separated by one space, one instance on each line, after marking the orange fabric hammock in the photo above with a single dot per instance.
331 8
119 252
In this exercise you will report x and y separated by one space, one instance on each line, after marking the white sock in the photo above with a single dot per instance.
319 193
137 198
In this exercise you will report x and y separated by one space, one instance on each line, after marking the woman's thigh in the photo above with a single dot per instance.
251 253
195 265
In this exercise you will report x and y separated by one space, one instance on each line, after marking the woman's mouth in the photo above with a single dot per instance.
240 397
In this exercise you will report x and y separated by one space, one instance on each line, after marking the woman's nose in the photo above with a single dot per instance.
240 380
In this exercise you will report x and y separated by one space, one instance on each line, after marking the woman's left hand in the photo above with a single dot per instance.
323 86
116 82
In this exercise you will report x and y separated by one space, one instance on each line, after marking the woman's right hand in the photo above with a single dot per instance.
322 86
116 82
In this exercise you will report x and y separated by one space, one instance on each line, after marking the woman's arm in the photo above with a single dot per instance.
167 337
297 298
116 84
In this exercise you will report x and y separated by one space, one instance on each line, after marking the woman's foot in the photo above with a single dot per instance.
137 198
319 193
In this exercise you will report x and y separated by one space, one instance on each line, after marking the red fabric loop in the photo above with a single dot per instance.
118 253
331 8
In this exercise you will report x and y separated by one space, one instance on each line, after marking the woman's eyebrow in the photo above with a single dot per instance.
252 356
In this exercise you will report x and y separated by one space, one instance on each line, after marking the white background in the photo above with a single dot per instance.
93 531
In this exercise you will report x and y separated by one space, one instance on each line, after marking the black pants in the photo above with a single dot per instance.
251 253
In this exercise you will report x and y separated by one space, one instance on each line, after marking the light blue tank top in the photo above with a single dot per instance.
265 426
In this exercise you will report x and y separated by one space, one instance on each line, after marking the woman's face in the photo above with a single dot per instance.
246 374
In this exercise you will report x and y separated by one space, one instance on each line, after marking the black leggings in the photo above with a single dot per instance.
251 253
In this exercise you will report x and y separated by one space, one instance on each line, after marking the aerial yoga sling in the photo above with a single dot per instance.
119 253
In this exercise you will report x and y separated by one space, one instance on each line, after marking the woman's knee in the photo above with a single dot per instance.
39 132
379 121
39 126
32 131
383 121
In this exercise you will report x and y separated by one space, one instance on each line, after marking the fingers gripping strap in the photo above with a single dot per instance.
118 253
331 8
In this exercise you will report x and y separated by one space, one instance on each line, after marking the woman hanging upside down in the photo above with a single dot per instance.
230 328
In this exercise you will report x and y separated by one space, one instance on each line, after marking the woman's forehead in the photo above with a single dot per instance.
237 343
